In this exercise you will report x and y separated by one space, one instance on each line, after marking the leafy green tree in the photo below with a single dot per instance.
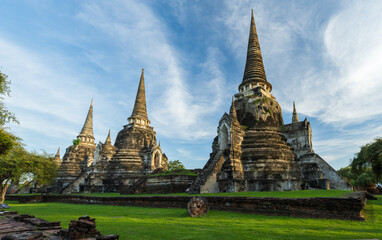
5 115
361 179
364 180
347 173
176 164
15 161
41 168
7 142
76 141
369 158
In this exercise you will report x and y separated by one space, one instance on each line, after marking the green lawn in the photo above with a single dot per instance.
288 194
160 223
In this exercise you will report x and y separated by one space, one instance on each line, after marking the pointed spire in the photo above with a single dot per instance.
58 153
159 144
233 109
140 100
254 66
295 116
108 139
87 129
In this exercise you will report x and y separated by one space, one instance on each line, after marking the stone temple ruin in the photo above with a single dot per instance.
104 167
253 150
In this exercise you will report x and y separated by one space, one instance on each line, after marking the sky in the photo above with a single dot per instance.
324 55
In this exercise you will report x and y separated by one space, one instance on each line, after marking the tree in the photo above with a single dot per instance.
76 141
18 162
5 115
176 164
365 180
347 173
360 179
7 142
15 161
369 158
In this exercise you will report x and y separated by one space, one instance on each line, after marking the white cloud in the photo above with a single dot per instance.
335 73
40 86
340 145
184 120
48 96
184 152
177 108
353 42
329 64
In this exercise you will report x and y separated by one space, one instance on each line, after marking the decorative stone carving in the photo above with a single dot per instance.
197 206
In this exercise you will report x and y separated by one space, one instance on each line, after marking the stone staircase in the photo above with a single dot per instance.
208 168
69 189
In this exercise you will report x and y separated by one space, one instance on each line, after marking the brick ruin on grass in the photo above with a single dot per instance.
14 227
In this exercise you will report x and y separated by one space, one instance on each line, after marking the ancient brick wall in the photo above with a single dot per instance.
332 208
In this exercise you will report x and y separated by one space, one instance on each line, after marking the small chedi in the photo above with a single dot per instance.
254 150
87 167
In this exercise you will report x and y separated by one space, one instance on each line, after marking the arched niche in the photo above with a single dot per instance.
156 161
223 136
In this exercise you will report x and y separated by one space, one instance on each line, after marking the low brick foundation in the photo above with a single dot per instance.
350 208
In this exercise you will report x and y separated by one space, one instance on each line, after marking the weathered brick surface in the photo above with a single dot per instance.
27 227
14 226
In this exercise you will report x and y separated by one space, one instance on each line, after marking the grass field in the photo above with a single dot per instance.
288 194
160 223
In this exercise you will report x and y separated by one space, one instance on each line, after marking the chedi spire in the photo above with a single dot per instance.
58 153
295 116
139 114
108 139
87 130
254 67
140 100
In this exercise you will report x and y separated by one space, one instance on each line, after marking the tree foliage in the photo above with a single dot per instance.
369 158
18 162
360 180
7 142
176 164
5 115
76 141
365 169
347 173
15 161
364 180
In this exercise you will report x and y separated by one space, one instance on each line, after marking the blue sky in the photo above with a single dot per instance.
324 55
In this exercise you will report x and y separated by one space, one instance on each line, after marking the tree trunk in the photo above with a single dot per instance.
3 191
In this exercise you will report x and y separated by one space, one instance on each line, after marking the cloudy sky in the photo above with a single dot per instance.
324 55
